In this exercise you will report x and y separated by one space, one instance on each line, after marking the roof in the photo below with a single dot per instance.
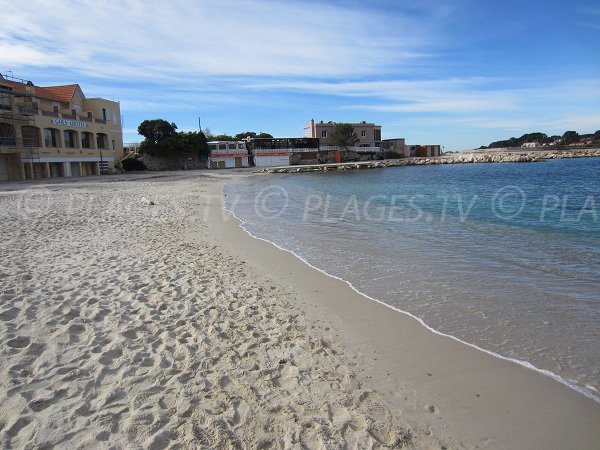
55 93
64 93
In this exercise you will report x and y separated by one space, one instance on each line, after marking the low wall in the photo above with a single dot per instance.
179 162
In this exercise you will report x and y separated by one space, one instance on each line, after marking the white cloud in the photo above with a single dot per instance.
453 95
169 39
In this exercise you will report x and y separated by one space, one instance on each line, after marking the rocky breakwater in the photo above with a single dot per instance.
457 158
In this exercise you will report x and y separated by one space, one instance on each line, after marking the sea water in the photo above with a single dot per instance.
505 257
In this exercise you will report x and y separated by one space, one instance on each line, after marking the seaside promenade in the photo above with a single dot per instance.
135 312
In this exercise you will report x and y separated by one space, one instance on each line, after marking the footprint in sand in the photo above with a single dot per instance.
75 330
9 314
108 357
19 342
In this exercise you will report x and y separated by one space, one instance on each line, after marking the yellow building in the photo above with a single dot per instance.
55 131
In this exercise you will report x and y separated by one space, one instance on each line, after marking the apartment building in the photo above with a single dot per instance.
56 131
368 134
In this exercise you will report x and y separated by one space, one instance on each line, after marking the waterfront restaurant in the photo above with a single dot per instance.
273 152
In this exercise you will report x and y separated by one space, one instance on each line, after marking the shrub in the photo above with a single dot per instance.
133 164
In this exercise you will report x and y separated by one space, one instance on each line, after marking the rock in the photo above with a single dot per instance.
146 202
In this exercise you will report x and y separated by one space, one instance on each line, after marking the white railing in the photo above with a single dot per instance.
290 150
329 148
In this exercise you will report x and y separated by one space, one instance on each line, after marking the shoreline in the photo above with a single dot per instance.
585 391
526 364
168 324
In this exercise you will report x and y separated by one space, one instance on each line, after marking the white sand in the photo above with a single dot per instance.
130 325
124 324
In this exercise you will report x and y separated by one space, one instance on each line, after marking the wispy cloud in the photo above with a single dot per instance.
447 95
213 37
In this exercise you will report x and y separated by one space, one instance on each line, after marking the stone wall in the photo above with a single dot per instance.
181 162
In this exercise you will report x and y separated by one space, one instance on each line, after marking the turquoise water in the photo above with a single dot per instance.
505 257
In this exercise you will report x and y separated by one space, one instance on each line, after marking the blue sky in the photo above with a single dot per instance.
460 74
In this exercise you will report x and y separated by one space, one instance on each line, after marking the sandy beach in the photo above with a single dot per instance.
136 313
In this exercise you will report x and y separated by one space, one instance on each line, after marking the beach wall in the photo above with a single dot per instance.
457 158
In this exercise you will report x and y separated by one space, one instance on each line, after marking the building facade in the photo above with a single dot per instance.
399 146
273 152
227 154
424 151
368 134
55 131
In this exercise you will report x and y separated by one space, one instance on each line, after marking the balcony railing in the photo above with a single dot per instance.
329 148
27 110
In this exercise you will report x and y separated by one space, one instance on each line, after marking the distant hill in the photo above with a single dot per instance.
568 138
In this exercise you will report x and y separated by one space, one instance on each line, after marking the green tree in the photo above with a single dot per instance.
244 135
193 142
162 139
156 130
570 137
344 135
222 137
264 136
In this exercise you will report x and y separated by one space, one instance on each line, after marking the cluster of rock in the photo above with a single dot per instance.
457 158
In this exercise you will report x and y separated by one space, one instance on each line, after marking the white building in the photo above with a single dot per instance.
227 154
274 152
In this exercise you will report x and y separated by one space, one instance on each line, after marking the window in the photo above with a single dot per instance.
86 139
103 113
232 145
363 133
31 136
222 146
7 134
5 102
323 133
70 138
113 144
50 137
114 114
101 140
